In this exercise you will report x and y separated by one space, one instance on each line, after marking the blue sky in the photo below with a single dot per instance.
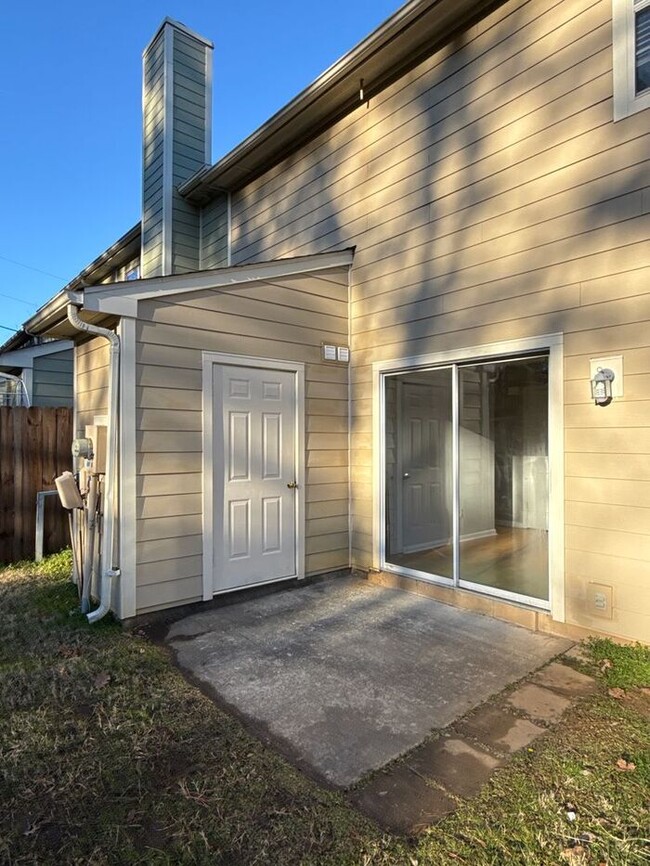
70 102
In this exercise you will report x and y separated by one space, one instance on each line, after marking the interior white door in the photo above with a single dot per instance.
255 492
424 455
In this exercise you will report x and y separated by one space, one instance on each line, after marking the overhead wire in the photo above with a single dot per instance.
32 268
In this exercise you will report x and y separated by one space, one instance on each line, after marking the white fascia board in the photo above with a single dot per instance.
25 357
108 299
122 305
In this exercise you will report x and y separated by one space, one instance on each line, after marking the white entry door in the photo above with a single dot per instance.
255 463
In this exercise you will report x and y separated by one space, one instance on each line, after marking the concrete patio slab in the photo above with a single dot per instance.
344 676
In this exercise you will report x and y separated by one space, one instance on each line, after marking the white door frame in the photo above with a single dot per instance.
210 360
554 344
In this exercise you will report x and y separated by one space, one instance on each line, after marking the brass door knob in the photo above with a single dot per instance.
292 485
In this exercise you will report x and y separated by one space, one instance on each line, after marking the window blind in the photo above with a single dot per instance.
642 49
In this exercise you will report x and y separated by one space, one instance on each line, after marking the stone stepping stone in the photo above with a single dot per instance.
427 784
402 802
455 764
495 727
565 680
540 704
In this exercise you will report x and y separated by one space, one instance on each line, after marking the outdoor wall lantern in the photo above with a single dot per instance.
601 386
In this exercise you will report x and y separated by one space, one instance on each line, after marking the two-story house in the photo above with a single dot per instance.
381 332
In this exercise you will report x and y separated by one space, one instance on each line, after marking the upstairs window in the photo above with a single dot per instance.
130 271
631 41
642 49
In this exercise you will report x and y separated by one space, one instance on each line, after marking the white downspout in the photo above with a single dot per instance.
108 566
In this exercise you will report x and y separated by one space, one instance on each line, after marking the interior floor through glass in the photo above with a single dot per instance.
514 560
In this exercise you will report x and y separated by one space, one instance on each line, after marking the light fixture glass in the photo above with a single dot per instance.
601 386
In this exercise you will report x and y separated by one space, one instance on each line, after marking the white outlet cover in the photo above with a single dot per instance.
614 363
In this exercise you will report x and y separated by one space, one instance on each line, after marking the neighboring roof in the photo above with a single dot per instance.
124 249
19 359
414 32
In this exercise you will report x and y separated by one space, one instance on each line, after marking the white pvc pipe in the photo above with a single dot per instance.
108 566
89 553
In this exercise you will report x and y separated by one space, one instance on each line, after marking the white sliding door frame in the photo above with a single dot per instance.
551 343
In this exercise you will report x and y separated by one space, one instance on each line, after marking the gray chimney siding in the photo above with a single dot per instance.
153 108
177 122
214 233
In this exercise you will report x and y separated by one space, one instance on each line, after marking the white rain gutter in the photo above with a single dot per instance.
108 569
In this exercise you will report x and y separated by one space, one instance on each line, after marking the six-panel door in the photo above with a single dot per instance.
257 540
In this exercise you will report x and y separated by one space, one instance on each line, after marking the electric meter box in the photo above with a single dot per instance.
97 433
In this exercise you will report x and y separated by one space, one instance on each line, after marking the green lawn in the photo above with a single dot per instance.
107 755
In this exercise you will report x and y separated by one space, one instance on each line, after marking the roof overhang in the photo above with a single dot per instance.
123 250
121 299
414 32
50 319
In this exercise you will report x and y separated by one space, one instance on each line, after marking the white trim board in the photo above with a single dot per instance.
553 343
626 100
210 360
126 331
469 353
122 298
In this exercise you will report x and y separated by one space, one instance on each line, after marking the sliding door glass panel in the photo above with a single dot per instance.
419 447
503 467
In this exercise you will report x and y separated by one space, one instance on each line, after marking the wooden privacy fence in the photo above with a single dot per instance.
34 448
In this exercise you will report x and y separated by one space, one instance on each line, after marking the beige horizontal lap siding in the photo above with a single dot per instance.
286 319
607 463
491 197
91 382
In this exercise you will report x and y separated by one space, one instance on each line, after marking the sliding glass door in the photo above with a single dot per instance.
419 480
466 475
